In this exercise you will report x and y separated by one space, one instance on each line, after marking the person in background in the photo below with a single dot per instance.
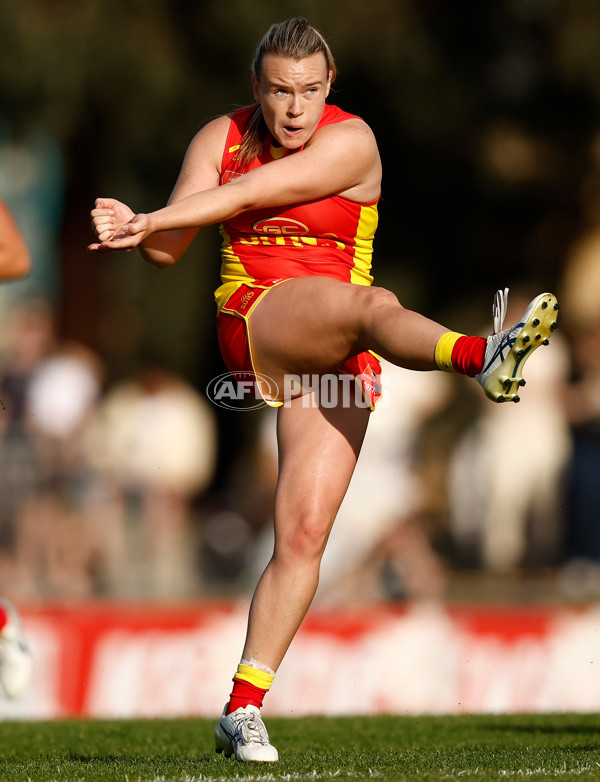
16 662
15 260
15 656
295 183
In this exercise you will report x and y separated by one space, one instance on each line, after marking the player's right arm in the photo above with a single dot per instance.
339 159
15 260
201 170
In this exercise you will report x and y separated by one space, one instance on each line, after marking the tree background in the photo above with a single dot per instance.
486 116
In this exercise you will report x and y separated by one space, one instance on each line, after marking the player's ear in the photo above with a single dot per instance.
328 85
256 88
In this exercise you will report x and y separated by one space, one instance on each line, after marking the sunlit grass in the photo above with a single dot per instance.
381 748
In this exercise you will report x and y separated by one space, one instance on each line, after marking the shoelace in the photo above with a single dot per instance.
253 730
499 308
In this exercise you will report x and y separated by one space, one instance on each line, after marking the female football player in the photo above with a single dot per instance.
294 183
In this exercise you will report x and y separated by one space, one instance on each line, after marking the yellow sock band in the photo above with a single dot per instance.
444 348
258 678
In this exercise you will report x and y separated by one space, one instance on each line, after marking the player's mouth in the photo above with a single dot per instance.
292 130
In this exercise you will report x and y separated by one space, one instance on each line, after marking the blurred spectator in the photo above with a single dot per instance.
235 517
581 315
153 442
27 342
48 390
507 472
15 657
56 546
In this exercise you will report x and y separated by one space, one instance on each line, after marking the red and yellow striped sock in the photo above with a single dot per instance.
250 685
456 352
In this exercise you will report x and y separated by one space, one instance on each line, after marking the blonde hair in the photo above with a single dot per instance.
296 39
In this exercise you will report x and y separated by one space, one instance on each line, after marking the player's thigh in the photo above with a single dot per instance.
310 323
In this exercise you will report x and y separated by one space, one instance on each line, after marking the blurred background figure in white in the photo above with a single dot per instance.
506 475
154 443
56 549
15 657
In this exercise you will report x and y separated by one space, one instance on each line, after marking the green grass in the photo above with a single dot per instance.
380 748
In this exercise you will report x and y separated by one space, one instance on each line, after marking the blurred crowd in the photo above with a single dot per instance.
96 484
106 488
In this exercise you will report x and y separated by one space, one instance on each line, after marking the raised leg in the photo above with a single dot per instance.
313 324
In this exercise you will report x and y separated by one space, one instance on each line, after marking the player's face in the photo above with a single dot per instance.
292 94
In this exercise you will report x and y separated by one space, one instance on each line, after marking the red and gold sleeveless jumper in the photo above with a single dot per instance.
331 237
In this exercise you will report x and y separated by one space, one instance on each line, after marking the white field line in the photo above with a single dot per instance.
585 769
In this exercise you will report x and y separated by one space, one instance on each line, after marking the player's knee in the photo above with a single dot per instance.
382 297
376 302
305 541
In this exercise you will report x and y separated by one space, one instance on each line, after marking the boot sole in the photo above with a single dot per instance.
503 384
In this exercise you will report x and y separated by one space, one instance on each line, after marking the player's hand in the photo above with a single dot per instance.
127 236
107 217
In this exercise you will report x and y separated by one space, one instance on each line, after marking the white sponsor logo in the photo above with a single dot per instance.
241 390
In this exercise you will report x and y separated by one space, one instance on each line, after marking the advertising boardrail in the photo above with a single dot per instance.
111 662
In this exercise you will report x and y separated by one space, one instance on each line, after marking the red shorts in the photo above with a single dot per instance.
232 331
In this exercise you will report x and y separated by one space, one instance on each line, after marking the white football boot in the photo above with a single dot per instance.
243 734
507 351
15 658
